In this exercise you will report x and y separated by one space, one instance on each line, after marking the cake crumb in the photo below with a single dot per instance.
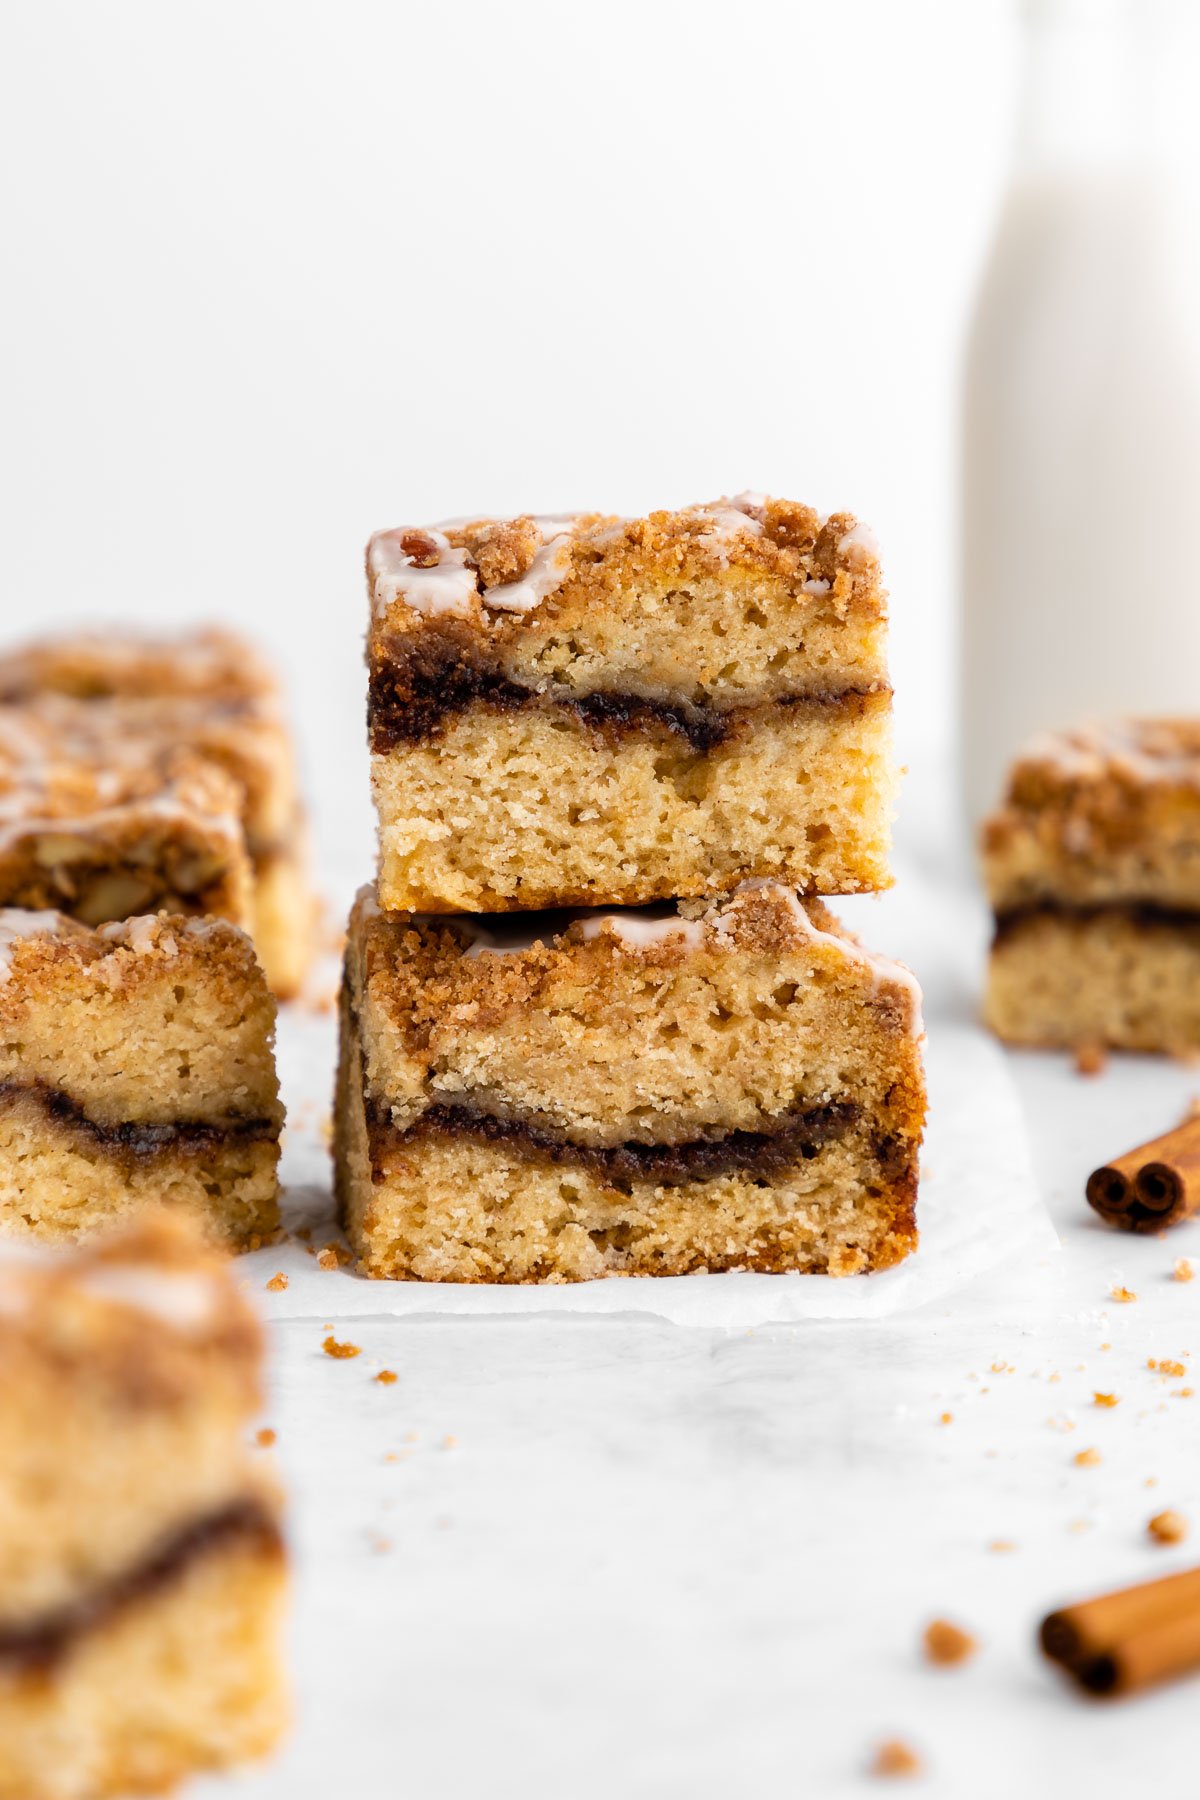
1091 1059
264 1437
895 1758
1166 1366
332 1256
947 1644
1086 1459
946 1419
1183 1393
331 1347
277 1282
1124 1295
1168 1527
1001 1546
1183 1270
1105 1400
385 1377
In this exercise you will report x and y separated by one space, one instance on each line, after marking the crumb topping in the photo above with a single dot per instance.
499 960
43 938
468 568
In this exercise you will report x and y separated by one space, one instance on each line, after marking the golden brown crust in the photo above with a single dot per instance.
212 663
42 952
608 556
422 971
1102 813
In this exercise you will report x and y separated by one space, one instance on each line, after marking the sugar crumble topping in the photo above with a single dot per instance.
509 934
420 567
144 934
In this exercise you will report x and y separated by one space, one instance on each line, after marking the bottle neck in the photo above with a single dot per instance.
1085 99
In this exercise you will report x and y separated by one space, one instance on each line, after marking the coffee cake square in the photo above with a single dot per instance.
142 1567
1092 866
723 1084
136 1068
92 721
586 710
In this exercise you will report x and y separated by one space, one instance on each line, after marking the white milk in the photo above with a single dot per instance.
1081 573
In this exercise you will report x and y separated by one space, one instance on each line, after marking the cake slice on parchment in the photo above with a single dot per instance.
585 710
1092 867
136 1067
122 707
729 1084
141 1558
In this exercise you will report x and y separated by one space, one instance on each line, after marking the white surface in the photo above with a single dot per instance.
617 1556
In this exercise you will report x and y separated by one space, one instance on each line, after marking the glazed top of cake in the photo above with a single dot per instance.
494 572
1129 752
499 961
41 948
64 759
747 602
209 663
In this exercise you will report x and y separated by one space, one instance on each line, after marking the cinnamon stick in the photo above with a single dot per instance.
1151 1187
1122 1642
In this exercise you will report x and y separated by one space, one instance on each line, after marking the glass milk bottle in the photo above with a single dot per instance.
1081 474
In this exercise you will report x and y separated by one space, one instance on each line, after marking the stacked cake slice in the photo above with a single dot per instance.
685 718
141 773
149 820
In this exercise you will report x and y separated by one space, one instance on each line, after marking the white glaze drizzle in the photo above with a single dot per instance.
635 928
184 1299
859 538
545 574
883 971
448 586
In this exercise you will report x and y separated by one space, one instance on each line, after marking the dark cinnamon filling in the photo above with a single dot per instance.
416 688
793 1138
191 1136
1147 915
43 1641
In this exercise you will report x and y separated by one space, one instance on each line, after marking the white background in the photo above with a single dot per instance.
275 275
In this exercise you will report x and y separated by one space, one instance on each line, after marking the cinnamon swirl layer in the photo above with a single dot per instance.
132 1137
42 1641
419 683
